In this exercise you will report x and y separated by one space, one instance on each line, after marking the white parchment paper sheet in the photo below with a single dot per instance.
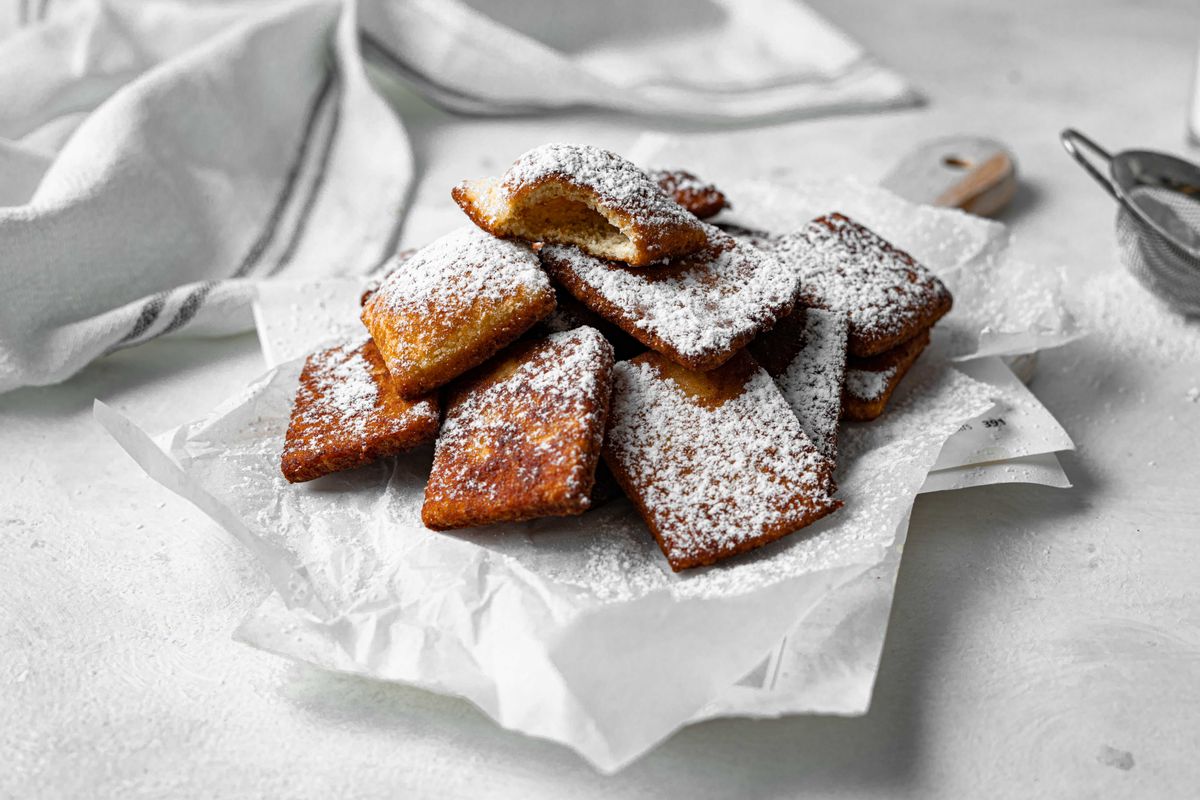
570 629
575 629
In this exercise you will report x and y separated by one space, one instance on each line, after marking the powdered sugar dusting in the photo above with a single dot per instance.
868 385
845 267
713 478
539 425
812 382
447 303
346 414
346 395
697 306
458 269
616 181
701 198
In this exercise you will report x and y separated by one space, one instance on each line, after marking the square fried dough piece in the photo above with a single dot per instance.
698 311
585 196
454 304
715 462
522 437
347 414
702 199
806 355
844 267
870 382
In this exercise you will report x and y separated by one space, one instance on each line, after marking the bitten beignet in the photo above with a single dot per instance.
453 305
347 414
887 296
521 439
698 310
870 382
715 462
806 355
585 196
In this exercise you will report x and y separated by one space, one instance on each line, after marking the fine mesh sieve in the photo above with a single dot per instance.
1158 218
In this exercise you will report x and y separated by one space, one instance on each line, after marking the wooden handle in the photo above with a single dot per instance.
975 174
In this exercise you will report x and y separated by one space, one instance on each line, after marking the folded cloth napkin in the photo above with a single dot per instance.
158 158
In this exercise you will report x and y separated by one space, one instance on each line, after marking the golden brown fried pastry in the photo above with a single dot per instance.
522 437
453 305
702 199
347 414
585 196
372 285
871 381
806 355
715 462
885 294
698 310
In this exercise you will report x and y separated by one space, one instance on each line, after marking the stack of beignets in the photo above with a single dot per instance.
723 434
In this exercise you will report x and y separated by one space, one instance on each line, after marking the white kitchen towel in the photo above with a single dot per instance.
696 59
158 158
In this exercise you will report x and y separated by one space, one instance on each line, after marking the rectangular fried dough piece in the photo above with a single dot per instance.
715 462
698 311
870 382
521 438
347 414
887 296
453 305
806 355
699 197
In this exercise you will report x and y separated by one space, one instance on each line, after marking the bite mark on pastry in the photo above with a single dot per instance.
584 196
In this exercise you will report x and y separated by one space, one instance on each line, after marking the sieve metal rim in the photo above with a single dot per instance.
1075 143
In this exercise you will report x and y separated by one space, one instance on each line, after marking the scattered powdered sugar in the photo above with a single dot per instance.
457 270
847 268
696 306
812 382
617 182
713 478
1134 322
540 421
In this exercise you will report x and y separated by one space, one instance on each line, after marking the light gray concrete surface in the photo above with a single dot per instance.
1044 643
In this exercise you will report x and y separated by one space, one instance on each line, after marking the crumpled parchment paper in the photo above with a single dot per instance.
575 629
